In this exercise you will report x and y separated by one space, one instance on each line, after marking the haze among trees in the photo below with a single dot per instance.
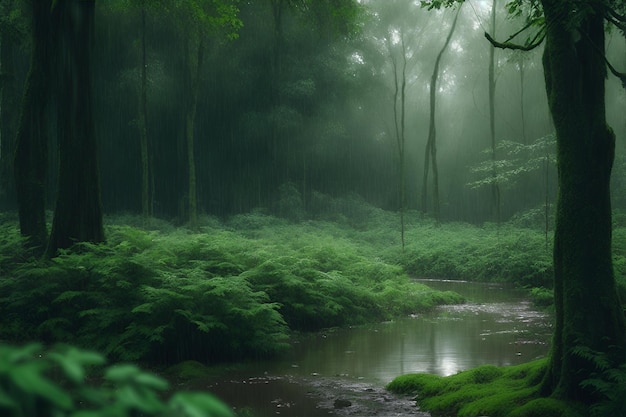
205 111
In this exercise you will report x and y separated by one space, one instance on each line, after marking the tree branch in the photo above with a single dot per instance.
616 16
620 75
620 24
509 45
529 24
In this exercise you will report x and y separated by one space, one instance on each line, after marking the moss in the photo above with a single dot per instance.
548 407
485 390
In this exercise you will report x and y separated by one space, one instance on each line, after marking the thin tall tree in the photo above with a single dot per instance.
495 188
399 100
430 153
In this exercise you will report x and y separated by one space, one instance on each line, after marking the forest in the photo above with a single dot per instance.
204 183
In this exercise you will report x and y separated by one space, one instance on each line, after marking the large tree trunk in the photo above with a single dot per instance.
31 153
8 119
588 313
78 213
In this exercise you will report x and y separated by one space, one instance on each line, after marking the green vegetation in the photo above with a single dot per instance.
66 381
485 391
228 292
234 289
488 254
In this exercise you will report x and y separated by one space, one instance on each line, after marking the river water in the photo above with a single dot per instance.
496 326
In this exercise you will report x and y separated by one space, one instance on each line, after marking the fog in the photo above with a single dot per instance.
300 98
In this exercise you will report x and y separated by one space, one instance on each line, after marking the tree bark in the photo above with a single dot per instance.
588 312
8 119
78 212
31 147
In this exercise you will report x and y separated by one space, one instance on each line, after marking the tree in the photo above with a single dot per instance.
495 188
430 153
589 316
78 211
11 32
31 152
399 122
198 19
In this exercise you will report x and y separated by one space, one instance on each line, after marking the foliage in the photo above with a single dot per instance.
64 381
520 159
542 296
143 295
609 383
228 292
485 390
488 254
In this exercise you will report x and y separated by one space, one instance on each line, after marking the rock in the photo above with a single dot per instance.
341 403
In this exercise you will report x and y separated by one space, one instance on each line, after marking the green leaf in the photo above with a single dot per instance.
28 377
122 373
152 381
73 360
143 308
73 370
199 404
68 295
140 399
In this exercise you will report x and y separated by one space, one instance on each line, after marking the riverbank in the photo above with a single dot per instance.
496 326
227 291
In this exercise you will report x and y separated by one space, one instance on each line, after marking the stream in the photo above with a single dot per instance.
344 371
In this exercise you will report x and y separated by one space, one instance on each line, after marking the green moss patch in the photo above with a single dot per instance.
484 391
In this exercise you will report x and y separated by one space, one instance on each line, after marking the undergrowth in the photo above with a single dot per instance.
227 292
234 289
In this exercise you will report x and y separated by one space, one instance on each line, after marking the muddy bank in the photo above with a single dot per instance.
316 396
343 371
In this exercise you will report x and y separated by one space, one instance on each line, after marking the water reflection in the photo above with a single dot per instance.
497 326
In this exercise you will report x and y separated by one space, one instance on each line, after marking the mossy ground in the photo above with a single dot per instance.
485 391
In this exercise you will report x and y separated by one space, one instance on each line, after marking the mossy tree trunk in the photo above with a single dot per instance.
78 212
31 147
588 312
